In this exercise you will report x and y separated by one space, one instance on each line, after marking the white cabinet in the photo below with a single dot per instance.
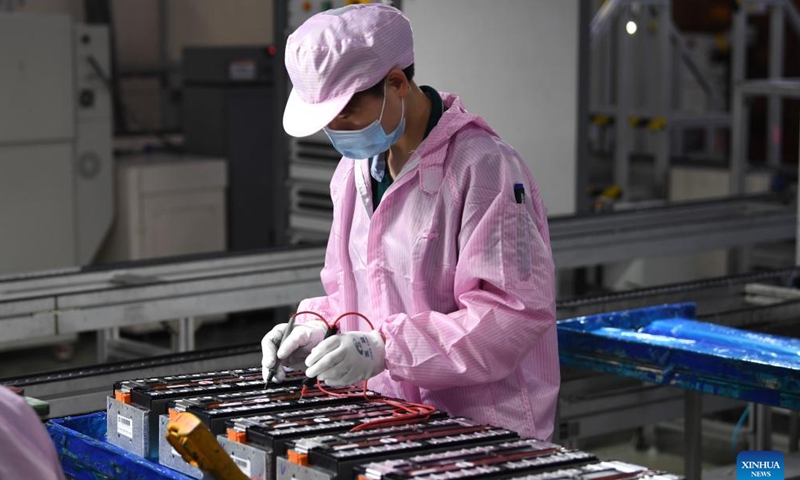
168 205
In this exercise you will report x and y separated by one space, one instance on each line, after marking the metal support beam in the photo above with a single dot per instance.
776 54
792 15
104 337
609 73
715 102
794 431
763 427
186 328
582 200
739 111
165 81
600 22
623 98
665 103
693 435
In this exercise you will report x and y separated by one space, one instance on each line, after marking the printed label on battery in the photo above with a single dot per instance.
125 426
242 463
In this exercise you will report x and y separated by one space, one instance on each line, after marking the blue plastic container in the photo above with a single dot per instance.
666 345
85 454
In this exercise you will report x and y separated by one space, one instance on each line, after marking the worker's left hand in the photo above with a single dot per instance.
347 358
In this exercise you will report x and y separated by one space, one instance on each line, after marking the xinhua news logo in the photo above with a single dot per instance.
768 464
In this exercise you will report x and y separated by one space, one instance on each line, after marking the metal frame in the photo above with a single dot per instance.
775 88
786 88
674 57
582 202
597 404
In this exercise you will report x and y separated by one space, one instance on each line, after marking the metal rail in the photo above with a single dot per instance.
83 390
117 296
711 295
681 228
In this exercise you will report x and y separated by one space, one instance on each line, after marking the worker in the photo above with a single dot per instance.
439 236
26 450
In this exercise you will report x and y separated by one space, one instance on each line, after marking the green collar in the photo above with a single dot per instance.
437 108
378 166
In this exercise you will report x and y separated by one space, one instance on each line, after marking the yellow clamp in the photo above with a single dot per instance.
601 120
657 123
195 443
613 192
634 121
722 43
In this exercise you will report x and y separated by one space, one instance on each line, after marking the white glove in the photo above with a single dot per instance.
347 358
294 349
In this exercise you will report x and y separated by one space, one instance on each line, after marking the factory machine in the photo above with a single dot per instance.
56 167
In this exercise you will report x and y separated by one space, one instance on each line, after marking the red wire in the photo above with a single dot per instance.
336 322
404 413
319 317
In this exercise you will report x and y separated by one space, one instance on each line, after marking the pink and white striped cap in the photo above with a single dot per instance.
337 53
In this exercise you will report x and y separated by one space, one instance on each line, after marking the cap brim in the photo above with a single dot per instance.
301 119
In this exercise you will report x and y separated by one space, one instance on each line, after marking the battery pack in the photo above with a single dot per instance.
335 456
259 440
134 409
500 460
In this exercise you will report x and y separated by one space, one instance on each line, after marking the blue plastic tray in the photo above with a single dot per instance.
665 345
84 453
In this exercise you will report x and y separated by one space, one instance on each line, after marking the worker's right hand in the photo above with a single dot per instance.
294 350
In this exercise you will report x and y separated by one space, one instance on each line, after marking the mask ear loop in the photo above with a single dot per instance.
383 107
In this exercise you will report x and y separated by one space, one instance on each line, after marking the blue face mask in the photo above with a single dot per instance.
370 140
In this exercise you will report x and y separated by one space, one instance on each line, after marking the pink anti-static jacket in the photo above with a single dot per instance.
26 450
456 274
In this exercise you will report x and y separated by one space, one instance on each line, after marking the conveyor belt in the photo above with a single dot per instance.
760 218
70 301
114 297
586 240
712 295
83 390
